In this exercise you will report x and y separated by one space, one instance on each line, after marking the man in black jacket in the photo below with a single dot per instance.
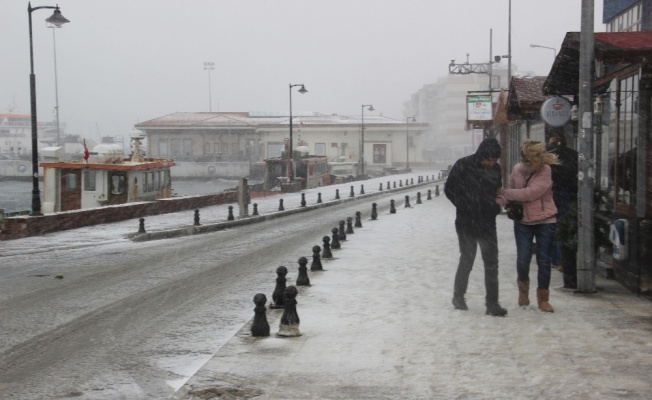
471 186
564 185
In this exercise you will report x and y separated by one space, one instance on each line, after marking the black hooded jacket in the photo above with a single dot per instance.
472 188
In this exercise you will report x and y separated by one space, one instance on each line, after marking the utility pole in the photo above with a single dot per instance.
586 166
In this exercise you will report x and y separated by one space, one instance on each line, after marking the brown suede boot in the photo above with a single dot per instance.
543 296
523 293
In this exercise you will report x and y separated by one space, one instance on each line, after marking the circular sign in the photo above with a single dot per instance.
22 168
211 170
556 111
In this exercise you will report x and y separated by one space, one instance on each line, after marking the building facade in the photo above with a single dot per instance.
210 140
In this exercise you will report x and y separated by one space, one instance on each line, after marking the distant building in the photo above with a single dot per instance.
226 143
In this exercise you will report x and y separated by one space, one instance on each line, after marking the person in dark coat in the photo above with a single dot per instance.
564 185
471 186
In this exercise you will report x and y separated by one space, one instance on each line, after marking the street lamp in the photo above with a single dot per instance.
56 19
371 108
209 66
56 80
407 141
302 90
545 47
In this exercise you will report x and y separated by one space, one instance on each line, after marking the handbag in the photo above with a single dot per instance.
515 208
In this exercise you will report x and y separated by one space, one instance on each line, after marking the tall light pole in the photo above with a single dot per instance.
209 66
58 20
302 90
56 81
407 141
371 108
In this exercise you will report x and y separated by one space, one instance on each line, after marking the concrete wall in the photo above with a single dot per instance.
24 226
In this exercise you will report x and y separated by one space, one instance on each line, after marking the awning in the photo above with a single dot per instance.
611 48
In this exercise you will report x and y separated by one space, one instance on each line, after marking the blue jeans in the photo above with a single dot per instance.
524 235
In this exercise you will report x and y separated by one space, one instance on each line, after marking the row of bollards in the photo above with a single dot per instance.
284 297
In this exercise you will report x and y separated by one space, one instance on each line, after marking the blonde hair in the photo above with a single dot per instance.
535 156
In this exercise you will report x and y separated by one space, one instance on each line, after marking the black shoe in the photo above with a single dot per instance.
496 310
459 303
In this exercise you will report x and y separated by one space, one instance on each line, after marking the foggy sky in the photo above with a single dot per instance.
122 62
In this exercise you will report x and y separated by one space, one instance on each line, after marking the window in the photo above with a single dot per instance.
187 147
623 160
175 147
163 147
320 149
150 181
70 182
234 149
118 184
89 180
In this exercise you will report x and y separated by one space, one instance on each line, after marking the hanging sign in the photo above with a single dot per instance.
478 108
556 111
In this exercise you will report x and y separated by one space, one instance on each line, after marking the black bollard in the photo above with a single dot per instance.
279 291
290 320
335 241
315 265
361 189
419 198
197 218
411 181
230 217
302 279
280 205
381 187
439 176
349 225
141 225
318 197
437 191
389 186
260 326
351 194
429 195
327 247
394 184
374 212
303 199
255 209
400 183
342 231
392 209
358 219
407 201
337 194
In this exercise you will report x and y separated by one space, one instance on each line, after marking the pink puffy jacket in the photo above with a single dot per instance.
538 204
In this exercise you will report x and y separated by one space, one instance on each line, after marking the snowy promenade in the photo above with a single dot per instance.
378 324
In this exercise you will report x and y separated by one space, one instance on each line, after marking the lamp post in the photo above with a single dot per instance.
407 141
56 81
56 19
545 47
302 90
371 108
209 66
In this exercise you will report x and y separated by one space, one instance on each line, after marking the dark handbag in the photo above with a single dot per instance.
514 210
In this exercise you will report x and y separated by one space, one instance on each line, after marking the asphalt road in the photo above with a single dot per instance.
136 320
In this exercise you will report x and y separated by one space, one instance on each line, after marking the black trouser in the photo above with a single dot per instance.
469 239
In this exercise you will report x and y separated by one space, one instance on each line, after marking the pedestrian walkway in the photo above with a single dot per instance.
378 323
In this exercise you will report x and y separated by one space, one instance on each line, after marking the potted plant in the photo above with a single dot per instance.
567 236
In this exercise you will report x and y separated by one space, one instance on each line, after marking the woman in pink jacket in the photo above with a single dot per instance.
531 184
